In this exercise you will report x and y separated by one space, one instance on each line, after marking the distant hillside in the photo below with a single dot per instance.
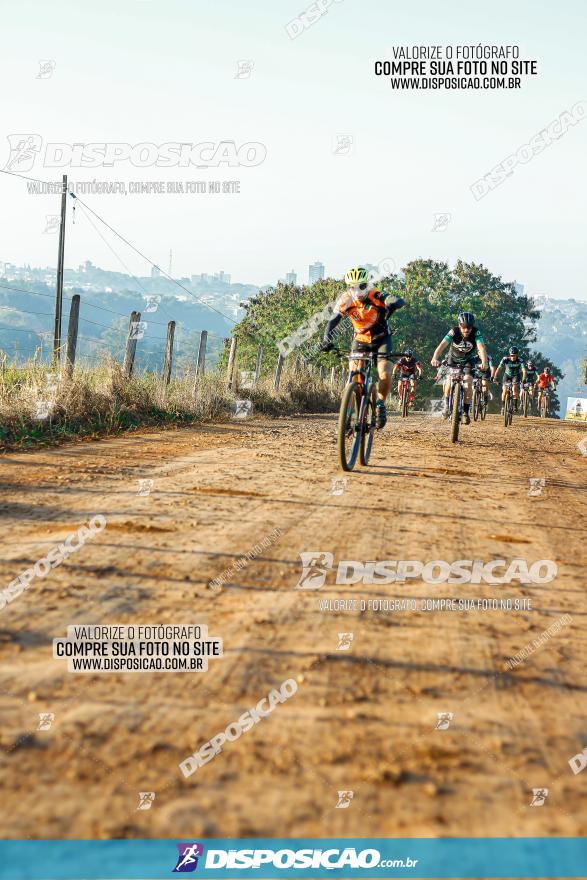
562 336
26 317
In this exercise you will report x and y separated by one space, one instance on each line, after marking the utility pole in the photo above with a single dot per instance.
59 279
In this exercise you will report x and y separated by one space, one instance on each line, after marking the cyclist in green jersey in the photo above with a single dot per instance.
465 342
512 372
530 377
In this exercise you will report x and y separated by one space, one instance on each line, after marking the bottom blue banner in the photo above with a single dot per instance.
283 857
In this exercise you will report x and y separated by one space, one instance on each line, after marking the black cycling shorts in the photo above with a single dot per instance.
466 366
381 346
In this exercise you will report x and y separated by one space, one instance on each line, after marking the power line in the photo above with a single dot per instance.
129 244
101 219
85 302
118 257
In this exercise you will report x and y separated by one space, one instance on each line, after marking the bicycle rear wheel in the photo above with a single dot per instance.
405 401
507 410
476 403
368 432
526 403
456 416
483 406
349 427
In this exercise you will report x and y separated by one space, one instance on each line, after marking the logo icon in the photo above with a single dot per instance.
315 566
244 68
444 719
46 69
187 860
137 329
344 799
344 641
43 409
46 719
242 409
536 486
338 485
343 145
23 150
152 302
145 487
539 795
146 799
51 223
246 378
441 221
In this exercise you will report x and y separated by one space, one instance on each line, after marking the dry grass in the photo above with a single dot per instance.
38 407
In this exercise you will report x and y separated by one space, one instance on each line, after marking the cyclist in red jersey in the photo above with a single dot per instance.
408 366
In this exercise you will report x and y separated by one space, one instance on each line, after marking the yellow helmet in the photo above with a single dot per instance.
357 276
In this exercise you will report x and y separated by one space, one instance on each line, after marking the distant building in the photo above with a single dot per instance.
315 272
222 277
291 277
519 288
155 272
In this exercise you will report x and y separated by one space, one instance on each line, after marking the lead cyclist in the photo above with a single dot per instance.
368 310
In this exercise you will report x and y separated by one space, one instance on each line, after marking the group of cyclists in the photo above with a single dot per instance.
369 311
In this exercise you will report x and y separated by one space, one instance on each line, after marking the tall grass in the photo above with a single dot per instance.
38 406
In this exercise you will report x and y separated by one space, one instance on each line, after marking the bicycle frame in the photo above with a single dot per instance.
456 378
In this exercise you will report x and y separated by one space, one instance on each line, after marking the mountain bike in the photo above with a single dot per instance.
358 410
525 400
456 400
544 404
479 404
404 395
508 403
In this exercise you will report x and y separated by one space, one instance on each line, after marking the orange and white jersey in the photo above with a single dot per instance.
367 315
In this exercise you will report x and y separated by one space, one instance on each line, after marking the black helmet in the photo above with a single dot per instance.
408 352
466 319
513 350
531 365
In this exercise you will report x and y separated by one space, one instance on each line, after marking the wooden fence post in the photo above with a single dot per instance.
201 365
321 374
333 377
72 335
167 363
131 345
278 370
258 364
230 371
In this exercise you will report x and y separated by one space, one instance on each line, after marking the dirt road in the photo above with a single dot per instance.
363 720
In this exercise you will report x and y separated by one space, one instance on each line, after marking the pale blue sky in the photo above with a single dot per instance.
157 72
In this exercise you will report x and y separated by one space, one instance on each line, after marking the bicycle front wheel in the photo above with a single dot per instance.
507 411
405 401
456 416
349 426
476 404
368 431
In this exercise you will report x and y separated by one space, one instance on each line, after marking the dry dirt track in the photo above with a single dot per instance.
361 720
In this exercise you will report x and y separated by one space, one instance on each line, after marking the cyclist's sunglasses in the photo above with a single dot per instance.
362 286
